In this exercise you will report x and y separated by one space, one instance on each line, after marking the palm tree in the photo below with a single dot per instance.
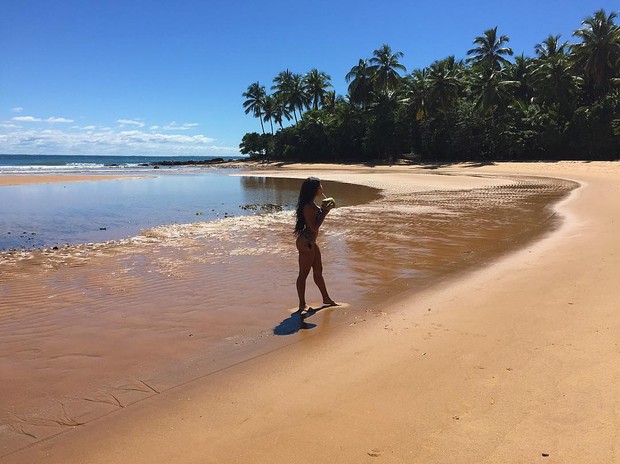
255 101
416 93
556 84
550 47
456 67
360 83
282 85
316 84
269 108
280 110
598 54
491 89
329 100
298 98
282 82
381 132
521 72
490 50
443 84
553 78
384 67
290 89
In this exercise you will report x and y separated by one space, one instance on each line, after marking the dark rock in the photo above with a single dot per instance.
188 162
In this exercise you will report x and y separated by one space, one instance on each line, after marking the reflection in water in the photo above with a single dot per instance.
283 191
44 215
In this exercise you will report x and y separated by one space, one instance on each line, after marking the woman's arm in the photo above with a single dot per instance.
314 217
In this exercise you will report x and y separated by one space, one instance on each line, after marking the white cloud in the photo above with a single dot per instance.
173 126
129 137
26 119
8 125
130 122
105 141
51 120
17 109
54 120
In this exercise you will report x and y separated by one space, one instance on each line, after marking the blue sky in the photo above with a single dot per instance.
166 78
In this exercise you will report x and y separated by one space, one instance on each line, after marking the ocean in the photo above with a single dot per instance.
77 163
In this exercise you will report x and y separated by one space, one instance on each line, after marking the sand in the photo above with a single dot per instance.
517 361
19 179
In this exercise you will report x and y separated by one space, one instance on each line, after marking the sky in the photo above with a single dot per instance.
165 78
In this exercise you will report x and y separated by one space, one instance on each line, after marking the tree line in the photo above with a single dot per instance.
562 103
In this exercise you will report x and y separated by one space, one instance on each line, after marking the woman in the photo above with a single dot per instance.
309 219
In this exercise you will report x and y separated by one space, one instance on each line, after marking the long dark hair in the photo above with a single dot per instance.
306 195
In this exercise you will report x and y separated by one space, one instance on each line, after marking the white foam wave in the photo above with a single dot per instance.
72 167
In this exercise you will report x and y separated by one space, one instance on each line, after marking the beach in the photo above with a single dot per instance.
510 355
26 179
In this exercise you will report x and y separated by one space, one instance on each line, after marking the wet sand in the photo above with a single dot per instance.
19 179
404 370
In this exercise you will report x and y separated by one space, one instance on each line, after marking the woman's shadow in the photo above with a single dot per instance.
297 321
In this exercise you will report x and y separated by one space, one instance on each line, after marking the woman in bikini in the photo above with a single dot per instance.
309 219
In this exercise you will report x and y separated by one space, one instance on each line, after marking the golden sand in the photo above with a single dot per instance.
19 179
504 364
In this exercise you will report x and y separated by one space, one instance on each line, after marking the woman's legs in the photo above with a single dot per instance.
317 274
310 258
306 258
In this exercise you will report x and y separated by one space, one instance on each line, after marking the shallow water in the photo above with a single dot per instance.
89 329
57 214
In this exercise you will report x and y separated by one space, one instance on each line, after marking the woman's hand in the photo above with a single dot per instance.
328 203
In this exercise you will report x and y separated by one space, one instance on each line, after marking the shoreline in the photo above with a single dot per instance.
393 342
31 179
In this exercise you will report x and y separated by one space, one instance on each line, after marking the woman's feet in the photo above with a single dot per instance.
326 303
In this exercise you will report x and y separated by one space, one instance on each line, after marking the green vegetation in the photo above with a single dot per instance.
563 103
